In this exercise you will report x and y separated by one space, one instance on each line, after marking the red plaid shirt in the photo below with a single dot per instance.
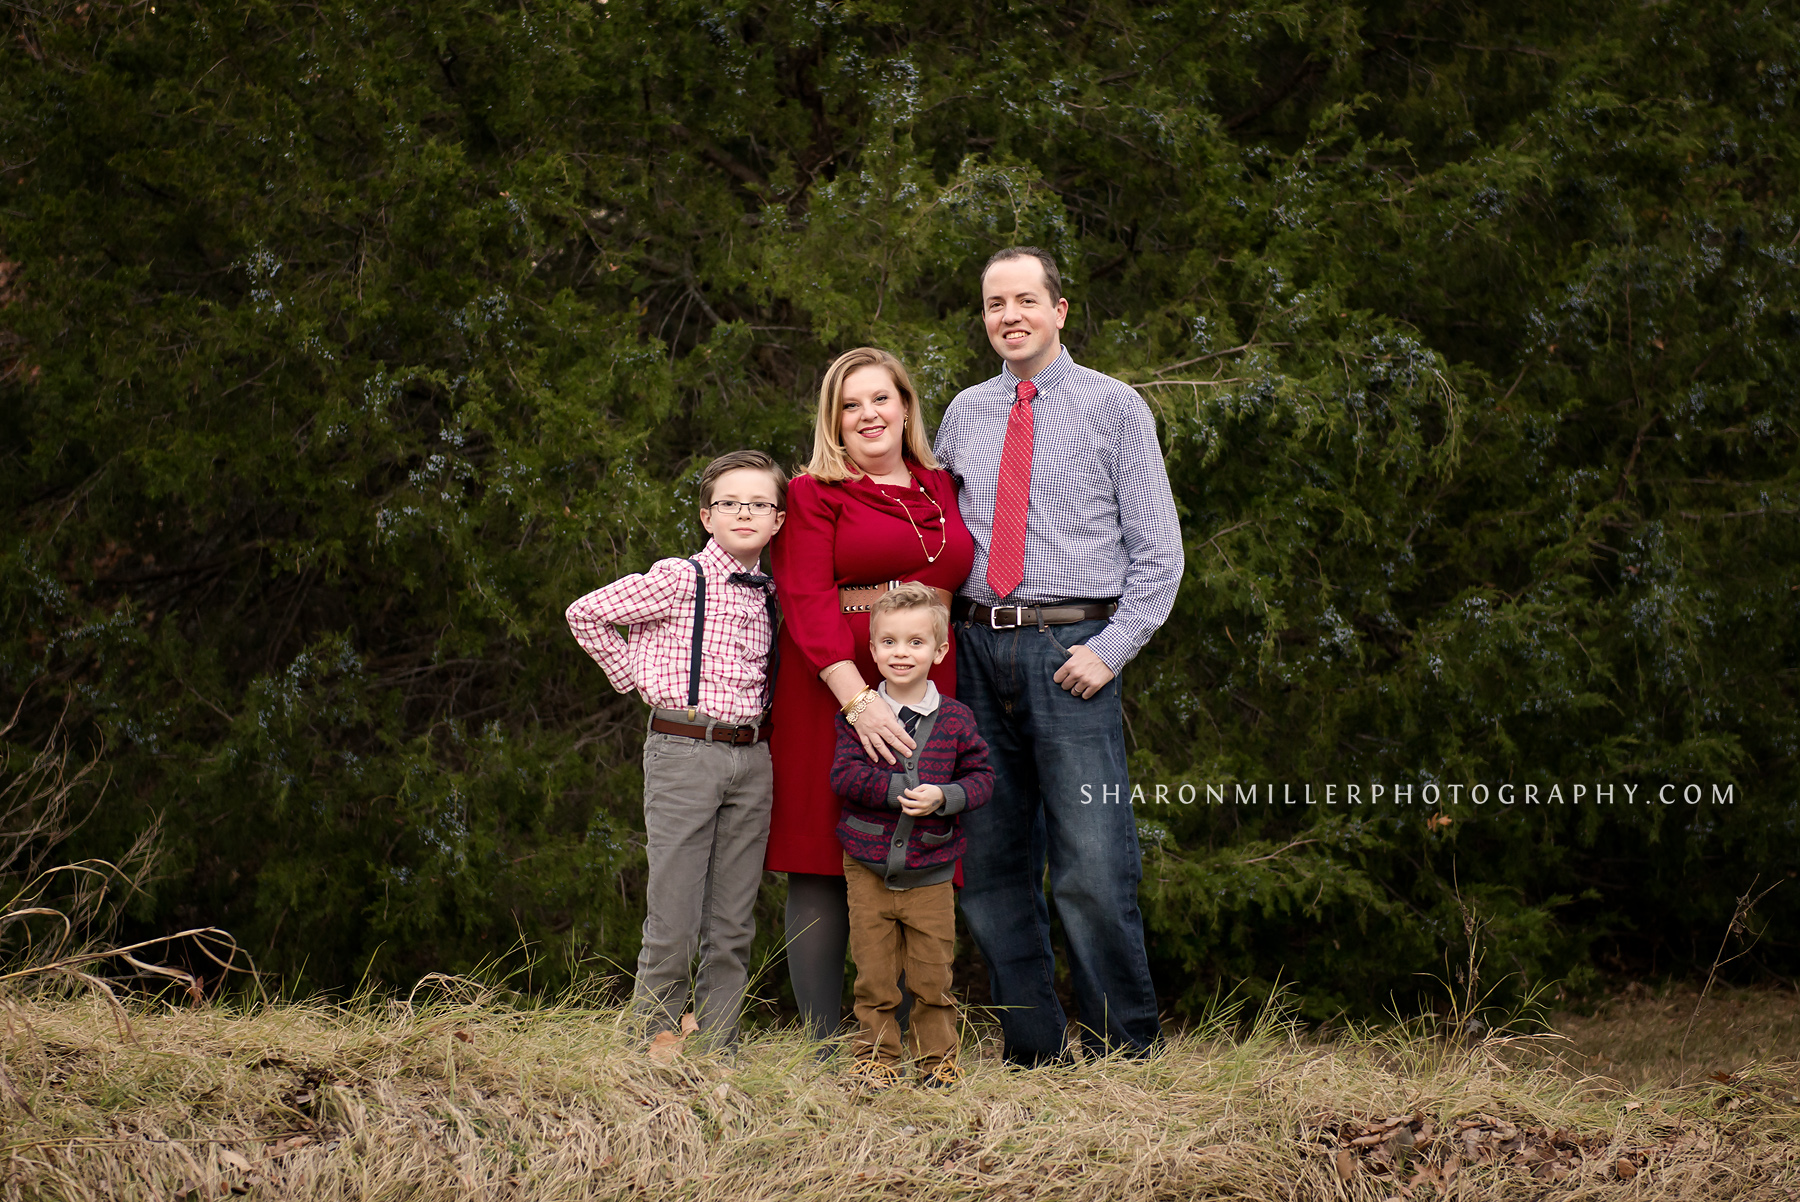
658 607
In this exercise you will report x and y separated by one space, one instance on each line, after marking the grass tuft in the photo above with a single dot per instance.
458 1095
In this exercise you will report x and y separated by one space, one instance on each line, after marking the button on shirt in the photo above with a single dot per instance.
658 608
1101 522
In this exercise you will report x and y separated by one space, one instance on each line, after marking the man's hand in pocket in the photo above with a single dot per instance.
1083 673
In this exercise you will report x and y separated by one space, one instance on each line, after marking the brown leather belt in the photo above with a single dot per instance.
1009 617
709 731
857 598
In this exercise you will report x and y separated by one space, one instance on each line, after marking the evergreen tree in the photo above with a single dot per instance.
342 347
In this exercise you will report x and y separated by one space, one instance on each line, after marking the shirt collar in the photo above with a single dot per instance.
927 706
1050 377
722 561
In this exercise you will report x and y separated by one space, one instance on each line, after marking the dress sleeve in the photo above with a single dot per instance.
804 558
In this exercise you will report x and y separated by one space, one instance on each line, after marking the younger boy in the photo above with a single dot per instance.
902 835
701 636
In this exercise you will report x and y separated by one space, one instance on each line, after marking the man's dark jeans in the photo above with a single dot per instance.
1060 794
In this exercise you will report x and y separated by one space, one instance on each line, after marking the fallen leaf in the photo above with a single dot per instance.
232 1160
1625 1169
464 1036
1346 1164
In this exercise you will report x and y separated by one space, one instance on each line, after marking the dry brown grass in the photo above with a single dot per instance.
465 1098
1636 1037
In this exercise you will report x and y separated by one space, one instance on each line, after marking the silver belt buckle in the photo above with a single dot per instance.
994 617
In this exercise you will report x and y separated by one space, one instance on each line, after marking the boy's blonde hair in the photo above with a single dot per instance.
830 462
912 595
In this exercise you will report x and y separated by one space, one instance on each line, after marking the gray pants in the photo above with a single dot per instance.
706 812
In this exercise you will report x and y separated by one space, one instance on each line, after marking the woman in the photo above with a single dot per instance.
872 507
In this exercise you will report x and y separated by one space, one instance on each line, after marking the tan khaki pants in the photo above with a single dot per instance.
911 931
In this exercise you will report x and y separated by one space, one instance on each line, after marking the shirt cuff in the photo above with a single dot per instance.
1114 647
620 677
955 799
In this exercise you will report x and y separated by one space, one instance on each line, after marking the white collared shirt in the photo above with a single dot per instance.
926 705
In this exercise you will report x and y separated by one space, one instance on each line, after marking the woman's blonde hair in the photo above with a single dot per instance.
830 461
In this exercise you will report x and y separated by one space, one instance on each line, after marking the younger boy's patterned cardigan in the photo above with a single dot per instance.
909 852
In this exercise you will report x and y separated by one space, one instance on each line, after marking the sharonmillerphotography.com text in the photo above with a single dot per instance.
1365 793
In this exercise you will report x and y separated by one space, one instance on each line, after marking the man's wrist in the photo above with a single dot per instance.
1114 651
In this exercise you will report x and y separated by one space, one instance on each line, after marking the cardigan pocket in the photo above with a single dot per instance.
862 827
930 840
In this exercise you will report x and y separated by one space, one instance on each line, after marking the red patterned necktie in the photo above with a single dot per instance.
1006 552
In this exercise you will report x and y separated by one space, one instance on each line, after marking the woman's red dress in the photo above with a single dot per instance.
854 532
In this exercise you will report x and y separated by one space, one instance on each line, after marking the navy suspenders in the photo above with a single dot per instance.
693 705
693 701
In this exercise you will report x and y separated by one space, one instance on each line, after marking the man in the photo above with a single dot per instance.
1077 560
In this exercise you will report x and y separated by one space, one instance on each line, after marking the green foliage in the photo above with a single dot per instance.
345 346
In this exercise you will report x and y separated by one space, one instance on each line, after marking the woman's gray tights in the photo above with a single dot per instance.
818 933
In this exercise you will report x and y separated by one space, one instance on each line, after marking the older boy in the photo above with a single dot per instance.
700 643
902 835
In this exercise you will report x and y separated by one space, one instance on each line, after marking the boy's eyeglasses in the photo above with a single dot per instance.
731 509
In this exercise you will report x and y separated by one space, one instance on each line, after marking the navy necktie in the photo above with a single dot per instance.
909 718
766 585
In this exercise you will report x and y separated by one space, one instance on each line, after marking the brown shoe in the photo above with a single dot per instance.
665 1047
875 1075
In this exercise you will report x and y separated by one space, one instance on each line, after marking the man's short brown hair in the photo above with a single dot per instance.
1052 277
912 595
731 461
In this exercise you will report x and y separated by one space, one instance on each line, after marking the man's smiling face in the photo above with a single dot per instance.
1023 323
